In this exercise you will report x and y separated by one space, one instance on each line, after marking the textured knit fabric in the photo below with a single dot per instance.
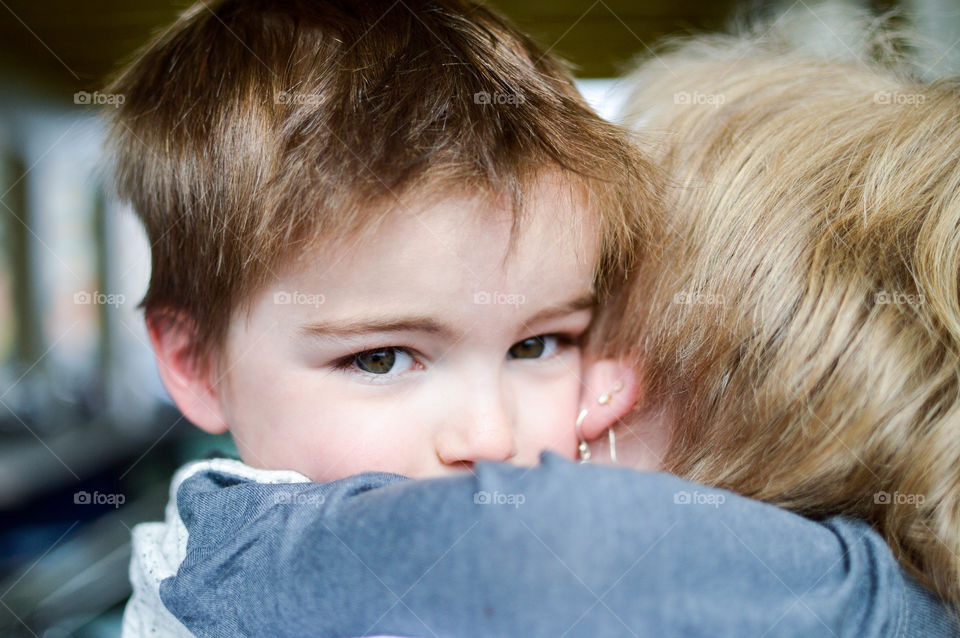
558 550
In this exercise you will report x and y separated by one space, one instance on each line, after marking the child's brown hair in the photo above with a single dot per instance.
251 129
796 311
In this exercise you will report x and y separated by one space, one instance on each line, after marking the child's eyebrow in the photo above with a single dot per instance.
427 324
377 325
582 302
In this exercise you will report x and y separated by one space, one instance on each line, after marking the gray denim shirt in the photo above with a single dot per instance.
561 549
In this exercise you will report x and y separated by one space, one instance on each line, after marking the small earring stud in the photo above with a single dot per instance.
604 398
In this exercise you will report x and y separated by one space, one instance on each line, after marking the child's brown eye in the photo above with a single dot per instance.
530 348
385 362
376 361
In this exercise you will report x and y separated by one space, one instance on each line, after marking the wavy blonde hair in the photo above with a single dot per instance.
795 312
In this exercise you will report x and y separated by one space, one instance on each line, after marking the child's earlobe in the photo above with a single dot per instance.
187 385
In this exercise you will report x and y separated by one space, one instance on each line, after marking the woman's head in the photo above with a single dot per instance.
795 313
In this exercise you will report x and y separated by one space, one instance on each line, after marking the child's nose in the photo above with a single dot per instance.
483 430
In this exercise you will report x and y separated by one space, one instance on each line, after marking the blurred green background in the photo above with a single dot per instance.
67 45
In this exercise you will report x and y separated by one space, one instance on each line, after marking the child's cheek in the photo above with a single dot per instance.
550 420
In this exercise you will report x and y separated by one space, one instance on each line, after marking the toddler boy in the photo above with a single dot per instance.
378 231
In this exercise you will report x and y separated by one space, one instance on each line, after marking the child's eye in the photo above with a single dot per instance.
380 361
539 347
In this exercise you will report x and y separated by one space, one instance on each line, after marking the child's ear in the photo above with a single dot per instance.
605 404
189 386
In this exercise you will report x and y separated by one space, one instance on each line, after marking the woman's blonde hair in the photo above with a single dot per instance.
795 311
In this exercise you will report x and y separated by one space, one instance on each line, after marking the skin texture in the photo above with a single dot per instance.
487 365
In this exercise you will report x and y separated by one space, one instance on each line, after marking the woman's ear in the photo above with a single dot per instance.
610 389
188 385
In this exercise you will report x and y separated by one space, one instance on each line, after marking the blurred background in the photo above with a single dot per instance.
88 437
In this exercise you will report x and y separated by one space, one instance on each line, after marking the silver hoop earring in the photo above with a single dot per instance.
584 448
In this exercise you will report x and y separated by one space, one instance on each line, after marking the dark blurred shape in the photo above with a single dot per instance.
64 46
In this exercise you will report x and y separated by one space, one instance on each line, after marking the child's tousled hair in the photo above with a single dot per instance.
254 129
795 312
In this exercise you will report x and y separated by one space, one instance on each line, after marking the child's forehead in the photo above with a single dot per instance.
479 231
436 256
533 206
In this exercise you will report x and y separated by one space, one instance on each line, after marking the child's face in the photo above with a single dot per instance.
421 350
